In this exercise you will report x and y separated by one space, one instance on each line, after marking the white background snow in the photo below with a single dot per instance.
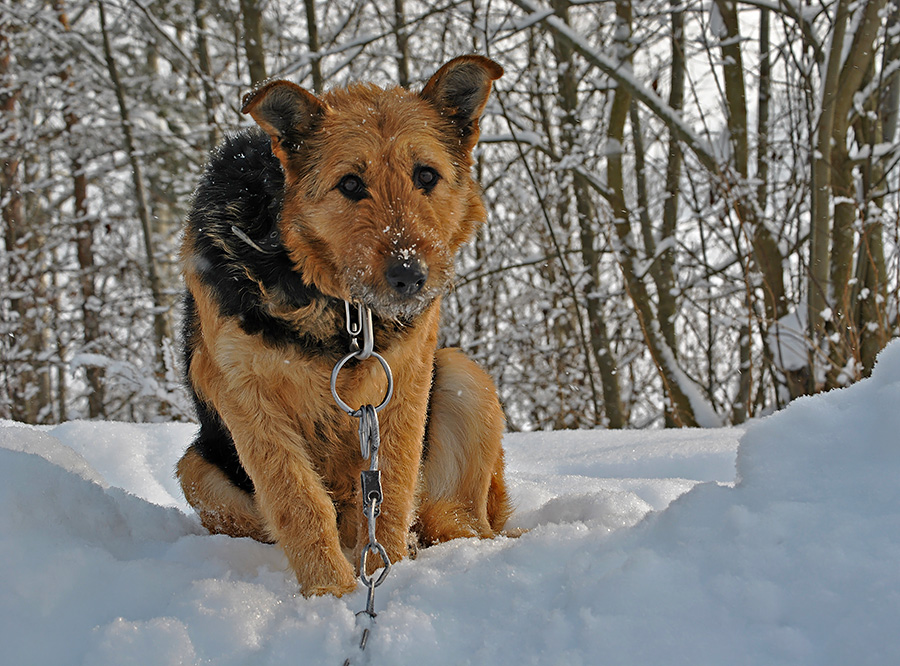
778 544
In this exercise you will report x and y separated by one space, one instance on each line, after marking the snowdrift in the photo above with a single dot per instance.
643 548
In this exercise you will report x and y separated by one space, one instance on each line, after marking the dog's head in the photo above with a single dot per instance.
378 192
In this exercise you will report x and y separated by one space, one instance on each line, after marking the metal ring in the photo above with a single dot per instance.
382 553
369 433
340 364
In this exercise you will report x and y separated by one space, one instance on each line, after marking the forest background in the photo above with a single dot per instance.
694 206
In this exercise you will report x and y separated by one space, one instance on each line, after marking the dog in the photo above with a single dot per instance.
363 195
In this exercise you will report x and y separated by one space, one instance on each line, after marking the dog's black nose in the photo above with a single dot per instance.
407 277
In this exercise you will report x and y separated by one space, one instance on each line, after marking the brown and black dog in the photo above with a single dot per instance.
361 195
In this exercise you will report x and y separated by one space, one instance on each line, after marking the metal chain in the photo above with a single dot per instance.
362 325
369 441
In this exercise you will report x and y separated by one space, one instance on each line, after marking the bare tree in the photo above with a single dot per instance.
254 47
681 231
161 326
587 217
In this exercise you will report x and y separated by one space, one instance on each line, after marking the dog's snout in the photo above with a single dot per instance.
407 277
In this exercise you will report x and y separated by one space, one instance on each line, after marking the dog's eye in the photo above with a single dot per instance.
425 178
352 187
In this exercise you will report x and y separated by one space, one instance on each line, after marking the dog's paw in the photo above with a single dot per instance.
338 582
336 589
321 575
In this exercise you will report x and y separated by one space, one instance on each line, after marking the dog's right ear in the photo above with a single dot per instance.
460 90
286 112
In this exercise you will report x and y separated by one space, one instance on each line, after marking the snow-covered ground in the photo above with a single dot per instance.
775 545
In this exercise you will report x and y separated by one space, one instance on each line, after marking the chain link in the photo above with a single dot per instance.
362 325
369 442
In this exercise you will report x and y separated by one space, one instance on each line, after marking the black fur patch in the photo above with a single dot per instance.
243 189
427 437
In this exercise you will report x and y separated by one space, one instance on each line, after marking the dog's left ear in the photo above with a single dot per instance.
286 112
460 91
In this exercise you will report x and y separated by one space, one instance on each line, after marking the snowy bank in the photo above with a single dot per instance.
642 549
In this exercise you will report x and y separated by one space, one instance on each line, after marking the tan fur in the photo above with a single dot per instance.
464 493
223 508
300 450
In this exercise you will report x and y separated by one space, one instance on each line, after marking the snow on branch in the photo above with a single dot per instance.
624 77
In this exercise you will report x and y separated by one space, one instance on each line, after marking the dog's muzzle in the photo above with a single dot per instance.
407 277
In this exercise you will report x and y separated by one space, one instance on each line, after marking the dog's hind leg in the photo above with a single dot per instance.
222 506
464 492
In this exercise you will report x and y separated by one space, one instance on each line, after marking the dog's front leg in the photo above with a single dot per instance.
294 504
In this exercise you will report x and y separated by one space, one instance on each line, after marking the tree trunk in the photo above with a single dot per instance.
890 104
665 282
665 274
855 74
401 36
869 316
587 219
743 402
735 93
762 121
210 96
682 412
161 327
251 15
25 381
872 275
84 244
16 381
766 254
662 261
312 34
820 231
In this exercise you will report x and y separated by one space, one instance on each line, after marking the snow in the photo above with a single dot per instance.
773 544
787 340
